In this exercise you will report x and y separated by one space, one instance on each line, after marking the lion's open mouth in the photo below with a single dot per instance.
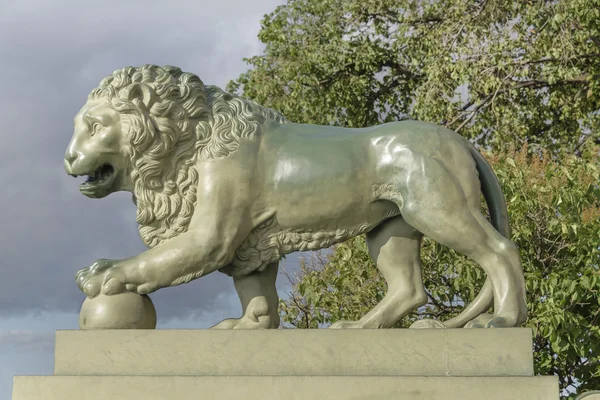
101 178
102 174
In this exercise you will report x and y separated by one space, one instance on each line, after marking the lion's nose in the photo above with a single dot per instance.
72 154
70 157
68 168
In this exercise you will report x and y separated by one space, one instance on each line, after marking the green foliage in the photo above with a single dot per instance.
555 212
554 206
500 72
493 70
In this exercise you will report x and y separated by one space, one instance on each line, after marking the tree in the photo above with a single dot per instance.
506 74
492 70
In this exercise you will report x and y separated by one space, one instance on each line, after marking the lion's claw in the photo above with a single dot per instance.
147 288
113 286
90 289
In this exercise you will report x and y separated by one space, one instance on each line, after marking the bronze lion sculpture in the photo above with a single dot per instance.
221 183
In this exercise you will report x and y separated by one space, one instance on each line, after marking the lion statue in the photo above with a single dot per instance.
221 183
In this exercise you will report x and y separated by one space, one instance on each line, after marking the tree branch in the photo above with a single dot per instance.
531 84
552 59
397 19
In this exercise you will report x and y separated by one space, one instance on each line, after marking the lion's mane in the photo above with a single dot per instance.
186 122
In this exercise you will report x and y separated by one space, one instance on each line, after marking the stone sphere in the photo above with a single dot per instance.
121 311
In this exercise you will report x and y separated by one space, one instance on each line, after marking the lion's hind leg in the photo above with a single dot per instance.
439 206
394 246
259 299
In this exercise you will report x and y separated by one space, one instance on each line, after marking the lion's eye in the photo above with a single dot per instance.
95 128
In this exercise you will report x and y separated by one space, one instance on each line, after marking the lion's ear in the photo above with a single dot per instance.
142 92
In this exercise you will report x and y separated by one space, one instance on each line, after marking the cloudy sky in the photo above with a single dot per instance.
52 53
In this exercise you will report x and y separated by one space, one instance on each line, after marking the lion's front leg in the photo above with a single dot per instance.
179 260
260 302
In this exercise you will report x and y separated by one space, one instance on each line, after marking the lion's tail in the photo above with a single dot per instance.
490 187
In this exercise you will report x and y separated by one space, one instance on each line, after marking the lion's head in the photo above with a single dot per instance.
145 129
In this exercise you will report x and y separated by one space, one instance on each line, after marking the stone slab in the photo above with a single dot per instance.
284 387
288 352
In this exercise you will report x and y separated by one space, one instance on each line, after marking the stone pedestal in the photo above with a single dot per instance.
449 364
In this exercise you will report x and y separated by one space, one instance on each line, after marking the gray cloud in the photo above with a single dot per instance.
27 340
53 53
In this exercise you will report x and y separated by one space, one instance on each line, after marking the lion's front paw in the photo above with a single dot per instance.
91 279
109 277
228 323
257 316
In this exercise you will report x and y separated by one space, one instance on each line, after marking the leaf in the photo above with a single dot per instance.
586 283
